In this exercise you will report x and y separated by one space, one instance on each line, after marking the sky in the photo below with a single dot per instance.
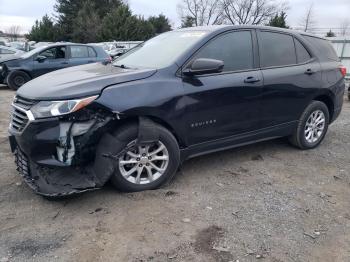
328 13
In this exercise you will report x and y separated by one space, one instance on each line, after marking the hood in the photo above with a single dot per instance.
80 81
7 58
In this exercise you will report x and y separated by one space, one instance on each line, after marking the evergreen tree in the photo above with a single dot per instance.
68 11
160 23
188 21
330 34
86 25
87 21
43 30
121 25
279 20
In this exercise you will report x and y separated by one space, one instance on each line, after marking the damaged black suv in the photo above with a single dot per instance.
181 94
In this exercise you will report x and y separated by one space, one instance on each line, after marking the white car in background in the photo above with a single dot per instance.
6 51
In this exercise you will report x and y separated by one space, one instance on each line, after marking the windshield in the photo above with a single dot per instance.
161 51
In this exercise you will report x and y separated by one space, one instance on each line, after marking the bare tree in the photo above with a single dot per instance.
344 27
14 32
203 12
308 21
253 12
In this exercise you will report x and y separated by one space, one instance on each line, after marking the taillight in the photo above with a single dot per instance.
343 70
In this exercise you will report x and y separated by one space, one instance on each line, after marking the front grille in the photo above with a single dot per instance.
19 117
24 103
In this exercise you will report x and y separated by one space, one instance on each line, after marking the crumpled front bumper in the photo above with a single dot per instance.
53 182
37 162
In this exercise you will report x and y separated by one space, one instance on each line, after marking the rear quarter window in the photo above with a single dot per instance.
92 52
323 48
302 54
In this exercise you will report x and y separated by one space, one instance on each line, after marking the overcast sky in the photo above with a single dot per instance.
328 13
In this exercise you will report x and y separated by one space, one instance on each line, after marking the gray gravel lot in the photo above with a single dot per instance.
268 202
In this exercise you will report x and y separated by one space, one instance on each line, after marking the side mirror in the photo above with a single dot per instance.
203 66
41 58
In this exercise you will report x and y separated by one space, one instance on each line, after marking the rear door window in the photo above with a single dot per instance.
79 52
276 49
302 54
235 49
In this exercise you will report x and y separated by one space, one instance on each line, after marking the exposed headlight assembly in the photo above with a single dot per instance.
45 109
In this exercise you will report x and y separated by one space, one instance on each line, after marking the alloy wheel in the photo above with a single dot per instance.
144 164
315 126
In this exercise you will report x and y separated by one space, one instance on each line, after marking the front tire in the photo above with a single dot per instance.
17 78
312 127
146 166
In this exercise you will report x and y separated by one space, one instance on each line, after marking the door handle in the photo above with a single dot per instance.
251 80
64 63
91 61
309 72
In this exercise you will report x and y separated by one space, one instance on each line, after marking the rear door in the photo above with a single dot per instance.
81 55
291 77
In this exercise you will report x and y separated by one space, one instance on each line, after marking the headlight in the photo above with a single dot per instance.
1 68
57 108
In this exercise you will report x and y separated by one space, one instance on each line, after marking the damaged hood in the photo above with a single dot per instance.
80 81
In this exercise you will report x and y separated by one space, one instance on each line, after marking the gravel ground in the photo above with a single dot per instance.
266 202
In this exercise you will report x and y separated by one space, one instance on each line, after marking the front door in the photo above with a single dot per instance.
56 58
228 103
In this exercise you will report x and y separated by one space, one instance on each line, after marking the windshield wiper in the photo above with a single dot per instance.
121 66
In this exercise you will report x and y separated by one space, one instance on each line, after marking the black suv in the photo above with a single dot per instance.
18 69
181 94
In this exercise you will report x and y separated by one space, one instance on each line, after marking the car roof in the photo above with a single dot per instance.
222 28
65 43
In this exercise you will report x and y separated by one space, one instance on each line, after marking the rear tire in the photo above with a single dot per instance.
17 78
170 153
312 127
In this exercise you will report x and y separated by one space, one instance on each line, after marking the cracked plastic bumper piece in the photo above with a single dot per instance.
54 182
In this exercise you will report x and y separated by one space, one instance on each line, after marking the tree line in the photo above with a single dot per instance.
87 21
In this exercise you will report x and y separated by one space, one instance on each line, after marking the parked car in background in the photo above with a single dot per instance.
6 52
116 49
4 41
16 71
181 94
20 45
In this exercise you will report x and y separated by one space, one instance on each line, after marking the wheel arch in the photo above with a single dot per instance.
327 99
141 119
19 70
169 127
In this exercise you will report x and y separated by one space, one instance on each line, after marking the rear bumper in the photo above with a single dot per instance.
339 92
